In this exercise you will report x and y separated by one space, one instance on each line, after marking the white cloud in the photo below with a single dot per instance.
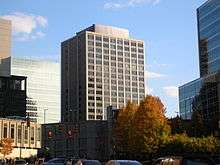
149 74
128 3
24 26
171 91
148 90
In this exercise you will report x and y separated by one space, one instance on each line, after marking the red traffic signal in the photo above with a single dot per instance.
70 133
50 134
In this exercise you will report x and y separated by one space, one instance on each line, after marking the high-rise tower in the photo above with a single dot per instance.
5 47
100 66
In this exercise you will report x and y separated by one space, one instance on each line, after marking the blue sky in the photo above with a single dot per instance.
168 27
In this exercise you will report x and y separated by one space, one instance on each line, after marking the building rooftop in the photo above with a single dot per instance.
107 30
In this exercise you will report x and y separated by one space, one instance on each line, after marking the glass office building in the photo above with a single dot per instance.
208 16
203 93
43 88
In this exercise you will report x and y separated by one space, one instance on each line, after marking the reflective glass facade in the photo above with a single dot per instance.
187 94
43 88
203 93
209 37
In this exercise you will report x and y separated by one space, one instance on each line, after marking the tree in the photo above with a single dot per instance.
198 128
150 126
6 146
123 129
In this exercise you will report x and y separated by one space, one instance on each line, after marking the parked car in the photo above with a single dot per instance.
184 160
86 162
123 162
56 161
20 162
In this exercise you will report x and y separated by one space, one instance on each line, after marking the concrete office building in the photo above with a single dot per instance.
100 66
43 87
204 93
5 47
26 140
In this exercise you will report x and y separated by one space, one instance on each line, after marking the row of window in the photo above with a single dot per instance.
113 50
98 38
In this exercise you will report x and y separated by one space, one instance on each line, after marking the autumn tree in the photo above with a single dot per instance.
150 126
123 129
6 146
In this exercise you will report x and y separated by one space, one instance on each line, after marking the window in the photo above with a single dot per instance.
99 92
106 57
91 110
98 44
113 40
120 41
38 137
32 135
98 38
133 43
12 131
91 85
91 91
99 98
91 67
90 43
91 104
105 39
126 42
98 50
91 117
5 133
91 37
26 135
120 82
90 97
19 133
99 56
106 51
140 45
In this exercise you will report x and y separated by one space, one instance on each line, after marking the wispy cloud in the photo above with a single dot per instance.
26 26
128 3
151 75
148 90
171 91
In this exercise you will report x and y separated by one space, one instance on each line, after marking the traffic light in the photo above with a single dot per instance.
50 134
70 133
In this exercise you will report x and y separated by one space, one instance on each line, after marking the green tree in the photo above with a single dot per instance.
198 128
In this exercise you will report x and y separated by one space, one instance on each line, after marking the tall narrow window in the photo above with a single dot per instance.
12 132
5 134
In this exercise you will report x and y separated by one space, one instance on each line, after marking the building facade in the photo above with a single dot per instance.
26 140
209 37
204 93
5 47
12 96
43 88
100 66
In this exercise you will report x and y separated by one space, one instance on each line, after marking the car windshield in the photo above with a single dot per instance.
91 162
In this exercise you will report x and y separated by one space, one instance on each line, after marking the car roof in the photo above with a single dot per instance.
125 160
